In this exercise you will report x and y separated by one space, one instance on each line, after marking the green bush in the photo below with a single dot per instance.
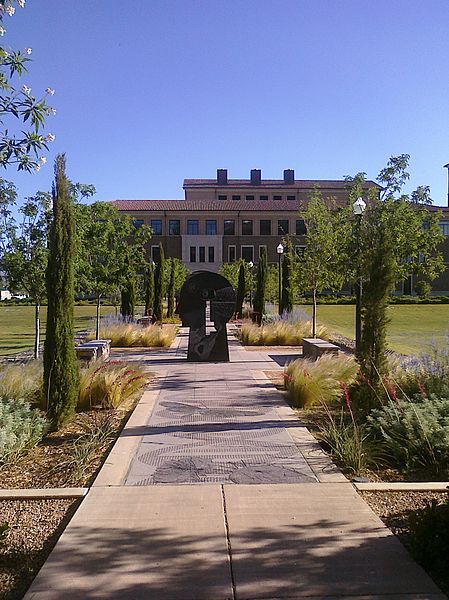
21 428
429 529
310 383
414 432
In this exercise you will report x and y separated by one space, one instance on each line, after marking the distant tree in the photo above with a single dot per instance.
288 278
241 292
171 290
149 288
159 291
61 376
323 264
231 272
128 292
22 115
25 255
261 282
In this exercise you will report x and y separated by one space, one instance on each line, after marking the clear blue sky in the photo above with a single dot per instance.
150 92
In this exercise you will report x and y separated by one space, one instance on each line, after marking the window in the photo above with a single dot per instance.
174 227
193 227
236 197
277 197
249 197
192 254
265 227
444 226
261 250
202 254
301 228
247 228
211 227
222 197
211 254
156 226
155 253
248 253
283 227
291 198
263 198
299 251
231 254
229 227
138 223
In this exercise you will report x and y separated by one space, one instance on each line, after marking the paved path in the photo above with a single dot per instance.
216 491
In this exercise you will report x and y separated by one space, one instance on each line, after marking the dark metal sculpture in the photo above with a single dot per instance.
198 289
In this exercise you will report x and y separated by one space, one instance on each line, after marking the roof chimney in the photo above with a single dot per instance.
256 176
222 176
289 176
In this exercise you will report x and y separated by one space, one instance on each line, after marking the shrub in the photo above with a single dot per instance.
429 529
128 335
415 432
312 382
423 289
277 333
110 384
349 443
21 427
22 381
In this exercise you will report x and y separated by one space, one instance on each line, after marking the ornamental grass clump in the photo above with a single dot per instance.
22 381
310 383
277 333
111 384
128 335
21 428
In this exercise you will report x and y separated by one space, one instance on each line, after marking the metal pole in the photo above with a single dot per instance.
280 283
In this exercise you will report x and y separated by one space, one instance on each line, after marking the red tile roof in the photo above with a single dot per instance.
307 184
208 205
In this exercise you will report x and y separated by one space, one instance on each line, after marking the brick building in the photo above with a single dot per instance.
220 220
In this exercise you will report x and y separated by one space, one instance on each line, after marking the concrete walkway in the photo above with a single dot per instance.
214 491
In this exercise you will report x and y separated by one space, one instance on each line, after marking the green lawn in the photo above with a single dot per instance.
17 325
412 328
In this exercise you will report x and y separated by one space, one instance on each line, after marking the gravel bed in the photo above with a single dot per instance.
34 528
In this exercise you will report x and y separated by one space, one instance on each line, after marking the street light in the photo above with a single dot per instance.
280 251
359 208
251 265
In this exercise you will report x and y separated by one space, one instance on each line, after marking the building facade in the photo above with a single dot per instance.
221 220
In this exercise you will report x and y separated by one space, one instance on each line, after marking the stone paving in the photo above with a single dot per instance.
218 426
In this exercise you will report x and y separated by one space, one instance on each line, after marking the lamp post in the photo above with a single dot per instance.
358 208
251 265
280 251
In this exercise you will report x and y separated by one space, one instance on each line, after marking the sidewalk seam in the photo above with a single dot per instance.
228 541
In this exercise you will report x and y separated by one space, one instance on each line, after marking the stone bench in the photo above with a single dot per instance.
145 321
93 349
315 347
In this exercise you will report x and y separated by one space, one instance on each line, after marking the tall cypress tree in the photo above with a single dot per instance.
241 288
373 344
128 297
287 296
171 290
159 285
261 284
149 289
61 373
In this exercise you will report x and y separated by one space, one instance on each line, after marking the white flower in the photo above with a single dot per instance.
26 89
10 10
28 50
37 167
21 3
50 138
53 111
50 91
2 31
42 160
